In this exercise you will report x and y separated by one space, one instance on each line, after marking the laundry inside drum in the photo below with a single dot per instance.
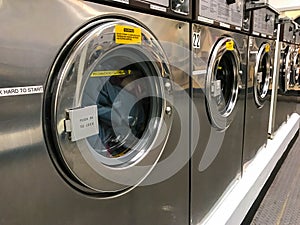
127 99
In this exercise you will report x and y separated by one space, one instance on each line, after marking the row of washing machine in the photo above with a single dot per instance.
288 39
113 115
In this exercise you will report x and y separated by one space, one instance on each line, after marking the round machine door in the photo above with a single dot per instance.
262 74
296 66
222 82
108 107
293 56
286 69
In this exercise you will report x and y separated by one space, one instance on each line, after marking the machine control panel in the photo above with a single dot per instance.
287 30
178 9
263 21
174 8
229 12
297 34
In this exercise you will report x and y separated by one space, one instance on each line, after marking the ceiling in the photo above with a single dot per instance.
282 5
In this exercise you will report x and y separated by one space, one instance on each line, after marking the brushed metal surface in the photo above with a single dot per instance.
210 182
256 117
31 190
285 105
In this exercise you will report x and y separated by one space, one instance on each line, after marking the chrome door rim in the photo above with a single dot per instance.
260 98
222 119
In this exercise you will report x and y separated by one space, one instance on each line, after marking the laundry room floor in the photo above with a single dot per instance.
279 201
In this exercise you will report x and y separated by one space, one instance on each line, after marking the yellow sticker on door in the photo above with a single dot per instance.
230 45
267 48
128 35
109 73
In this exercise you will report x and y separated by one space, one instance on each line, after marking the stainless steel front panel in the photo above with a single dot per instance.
285 105
261 53
217 156
32 190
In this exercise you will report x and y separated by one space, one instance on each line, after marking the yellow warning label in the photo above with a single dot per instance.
109 73
230 45
128 35
267 48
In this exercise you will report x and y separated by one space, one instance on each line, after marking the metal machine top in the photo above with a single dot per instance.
287 30
297 33
263 18
226 13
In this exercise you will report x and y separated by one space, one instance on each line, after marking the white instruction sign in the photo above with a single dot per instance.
158 8
82 122
28 90
259 77
122 1
216 88
196 40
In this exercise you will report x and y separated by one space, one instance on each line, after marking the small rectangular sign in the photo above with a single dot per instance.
205 20
199 72
259 77
128 35
230 45
216 88
28 90
83 122
122 1
224 25
196 39
267 48
158 8
110 73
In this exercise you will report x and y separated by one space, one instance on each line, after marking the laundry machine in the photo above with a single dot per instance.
296 58
179 9
294 87
93 104
259 80
284 106
218 93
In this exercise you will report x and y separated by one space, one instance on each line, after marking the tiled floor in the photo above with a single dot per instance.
281 203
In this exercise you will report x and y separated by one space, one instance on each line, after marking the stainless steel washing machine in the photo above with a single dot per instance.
284 105
259 80
178 9
218 93
294 87
296 69
93 106
296 59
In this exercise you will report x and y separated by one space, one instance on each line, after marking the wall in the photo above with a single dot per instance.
286 5
291 14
